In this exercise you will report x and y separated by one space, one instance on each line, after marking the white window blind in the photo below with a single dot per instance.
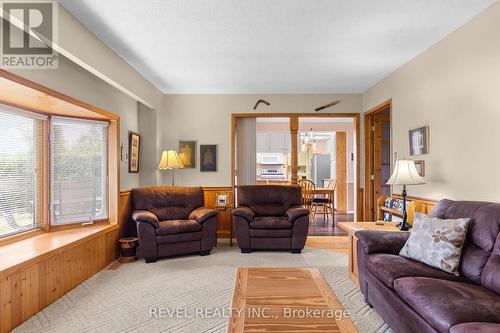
21 144
78 170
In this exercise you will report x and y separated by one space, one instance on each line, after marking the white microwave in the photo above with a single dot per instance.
270 158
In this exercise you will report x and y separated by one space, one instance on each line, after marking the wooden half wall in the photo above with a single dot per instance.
36 272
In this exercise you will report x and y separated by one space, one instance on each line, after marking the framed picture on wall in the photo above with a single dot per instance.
134 145
419 141
420 165
208 158
187 153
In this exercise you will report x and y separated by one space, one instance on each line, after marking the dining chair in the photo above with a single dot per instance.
308 189
326 202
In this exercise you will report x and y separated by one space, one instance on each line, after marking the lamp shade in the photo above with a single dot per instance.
405 173
170 160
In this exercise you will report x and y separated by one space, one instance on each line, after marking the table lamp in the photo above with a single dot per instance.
405 173
170 161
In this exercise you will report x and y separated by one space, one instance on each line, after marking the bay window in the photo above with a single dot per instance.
21 170
53 171
78 170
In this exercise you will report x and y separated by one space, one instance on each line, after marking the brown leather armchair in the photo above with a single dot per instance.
270 217
172 220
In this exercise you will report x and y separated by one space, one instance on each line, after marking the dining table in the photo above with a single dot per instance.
323 191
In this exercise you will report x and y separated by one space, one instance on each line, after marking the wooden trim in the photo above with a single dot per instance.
77 225
60 96
294 142
341 162
382 106
369 210
113 170
233 150
299 115
359 190
20 236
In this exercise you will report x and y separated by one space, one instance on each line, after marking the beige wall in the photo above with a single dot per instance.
454 87
207 119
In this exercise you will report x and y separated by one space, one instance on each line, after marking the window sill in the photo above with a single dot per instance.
27 251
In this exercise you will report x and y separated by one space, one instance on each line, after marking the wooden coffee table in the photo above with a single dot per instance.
286 300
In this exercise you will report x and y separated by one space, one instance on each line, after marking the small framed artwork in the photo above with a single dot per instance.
221 199
420 165
208 157
419 141
187 153
134 149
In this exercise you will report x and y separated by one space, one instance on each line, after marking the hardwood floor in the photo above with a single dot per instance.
281 299
322 227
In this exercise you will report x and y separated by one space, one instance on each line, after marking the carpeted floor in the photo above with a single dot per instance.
120 300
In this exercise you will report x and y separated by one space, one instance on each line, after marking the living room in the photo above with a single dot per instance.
329 159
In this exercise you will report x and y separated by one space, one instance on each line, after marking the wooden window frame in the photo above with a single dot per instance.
24 94
294 129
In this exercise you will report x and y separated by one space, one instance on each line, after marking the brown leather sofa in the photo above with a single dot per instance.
172 220
270 217
413 297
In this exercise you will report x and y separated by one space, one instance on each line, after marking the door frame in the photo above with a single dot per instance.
369 210
294 128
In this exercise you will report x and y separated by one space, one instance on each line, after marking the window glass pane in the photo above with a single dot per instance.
19 142
78 176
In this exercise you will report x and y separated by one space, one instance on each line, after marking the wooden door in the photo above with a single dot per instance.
377 158
382 155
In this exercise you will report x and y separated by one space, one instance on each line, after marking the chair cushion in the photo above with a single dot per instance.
269 200
172 227
271 233
271 222
168 202
444 304
389 267
179 238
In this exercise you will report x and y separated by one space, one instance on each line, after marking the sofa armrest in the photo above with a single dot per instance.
381 241
201 214
244 212
145 216
295 212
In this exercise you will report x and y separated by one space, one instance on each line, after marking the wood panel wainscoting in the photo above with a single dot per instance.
224 220
35 272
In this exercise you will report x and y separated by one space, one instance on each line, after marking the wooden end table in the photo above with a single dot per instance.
128 246
351 228
226 208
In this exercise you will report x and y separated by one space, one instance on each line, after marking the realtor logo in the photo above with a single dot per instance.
29 30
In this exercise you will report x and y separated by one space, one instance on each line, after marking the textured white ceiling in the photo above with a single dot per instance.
272 46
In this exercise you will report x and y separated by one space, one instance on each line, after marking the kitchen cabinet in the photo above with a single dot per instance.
273 142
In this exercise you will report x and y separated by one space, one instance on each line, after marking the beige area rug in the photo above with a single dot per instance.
124 300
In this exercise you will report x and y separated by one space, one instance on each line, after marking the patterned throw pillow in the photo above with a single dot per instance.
436 242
